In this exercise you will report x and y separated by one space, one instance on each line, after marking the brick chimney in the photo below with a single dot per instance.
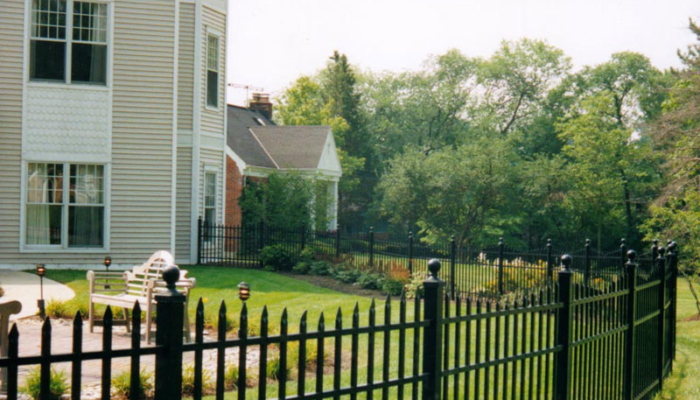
261 102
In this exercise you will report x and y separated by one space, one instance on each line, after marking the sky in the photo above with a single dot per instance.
273 42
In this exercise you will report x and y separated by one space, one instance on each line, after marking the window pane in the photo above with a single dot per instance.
86 184
85 226
49 19
43 224
45 183
89 63
212 89
213 53
90 22
210 215
47 60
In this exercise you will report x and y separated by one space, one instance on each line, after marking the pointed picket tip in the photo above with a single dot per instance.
244 312
321 322
285 317
137 307
222 308
14 331
264 313
402 299
372 305
339 314
46 325
387 302
200 304
108 313
356 309
302 322
77 319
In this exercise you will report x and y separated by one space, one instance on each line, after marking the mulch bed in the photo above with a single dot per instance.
327 282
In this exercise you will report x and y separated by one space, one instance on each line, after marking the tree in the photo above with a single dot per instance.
676 212
282 202
461 191
516 82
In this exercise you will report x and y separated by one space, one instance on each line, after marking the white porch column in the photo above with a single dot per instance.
333 212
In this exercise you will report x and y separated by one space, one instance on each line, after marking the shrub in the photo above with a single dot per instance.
231 377
274 370
58 383
345 273
121 386
321 268
188 380
519 276
302 268
277 257
307 255
370 280
392 287
57 309
414 287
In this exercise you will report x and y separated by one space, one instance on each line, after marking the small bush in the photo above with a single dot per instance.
307 255
274 369
321 268
370 280
346 275
188 380
302 268
231 377
392 287
414 287
57 309
277 257
121 386
58 384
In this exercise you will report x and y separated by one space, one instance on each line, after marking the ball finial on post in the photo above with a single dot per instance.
434 268
566 261
631 255
171 274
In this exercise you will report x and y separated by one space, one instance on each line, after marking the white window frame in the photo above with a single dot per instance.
217 35
67 79
63 247
215 171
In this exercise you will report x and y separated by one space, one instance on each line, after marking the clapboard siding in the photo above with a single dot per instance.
185 78
184 203
213 120
212 158
11 49
142 127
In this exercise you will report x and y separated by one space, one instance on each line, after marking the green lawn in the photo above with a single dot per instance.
215 284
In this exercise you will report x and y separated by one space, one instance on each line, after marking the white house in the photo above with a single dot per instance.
112 121
257 147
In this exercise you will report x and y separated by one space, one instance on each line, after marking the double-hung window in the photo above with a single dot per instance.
210 197
69 41
65 206
212 71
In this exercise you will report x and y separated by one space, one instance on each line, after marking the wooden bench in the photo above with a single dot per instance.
6 310
141 284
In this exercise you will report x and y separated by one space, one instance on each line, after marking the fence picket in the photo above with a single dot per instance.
284 328
337 353
198 352
135 367
45 380
76 362
302 357
262 362
320 356
106 359
221 355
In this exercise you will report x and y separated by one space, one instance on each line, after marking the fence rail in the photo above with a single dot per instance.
490 271
572 340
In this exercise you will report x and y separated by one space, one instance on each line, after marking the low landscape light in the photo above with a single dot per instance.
243 291
108 262
41 270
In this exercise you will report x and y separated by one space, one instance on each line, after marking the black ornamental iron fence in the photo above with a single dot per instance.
489 271
571 340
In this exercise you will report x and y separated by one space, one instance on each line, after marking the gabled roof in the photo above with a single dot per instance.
260 143
241 139
293 147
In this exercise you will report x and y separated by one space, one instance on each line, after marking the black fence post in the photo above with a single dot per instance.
630 356
410 253
169 321
337 241
501 246
550 262
371 247
453 254
199 240
587 262
623 252
564 331
661 337
432 336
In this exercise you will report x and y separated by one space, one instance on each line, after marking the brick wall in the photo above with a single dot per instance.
234 188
